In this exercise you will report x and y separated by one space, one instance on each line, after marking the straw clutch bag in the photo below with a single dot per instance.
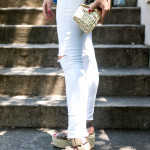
86 21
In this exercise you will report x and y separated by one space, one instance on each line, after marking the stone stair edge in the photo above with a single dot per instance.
60 101
54 45
40 8
99 25
106 71
38 3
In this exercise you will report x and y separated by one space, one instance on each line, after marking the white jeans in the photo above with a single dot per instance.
79 66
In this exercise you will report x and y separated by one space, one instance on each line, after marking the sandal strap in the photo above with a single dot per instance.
76 143
89 123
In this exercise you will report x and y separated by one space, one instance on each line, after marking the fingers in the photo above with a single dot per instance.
50 15
95 5
45 10
104 5
100 11
47 4
105 10
103 16
49 12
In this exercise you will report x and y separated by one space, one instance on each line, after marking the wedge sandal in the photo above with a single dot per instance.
61 139
76 144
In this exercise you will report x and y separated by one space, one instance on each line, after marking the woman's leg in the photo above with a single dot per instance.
77 95
91 71
70 47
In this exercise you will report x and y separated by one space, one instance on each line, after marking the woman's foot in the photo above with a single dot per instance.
78 144
60 139
89 126
64 134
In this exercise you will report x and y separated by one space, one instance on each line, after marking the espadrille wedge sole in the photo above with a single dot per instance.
77 144
61 143
61 139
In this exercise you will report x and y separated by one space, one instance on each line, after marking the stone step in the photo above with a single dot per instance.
50 81
45 55
38 3
110 112
102 34
35 16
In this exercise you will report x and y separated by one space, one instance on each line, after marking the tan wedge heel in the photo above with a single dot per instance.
61 140
91 140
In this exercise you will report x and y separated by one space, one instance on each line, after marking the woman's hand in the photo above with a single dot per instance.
47 5
103 6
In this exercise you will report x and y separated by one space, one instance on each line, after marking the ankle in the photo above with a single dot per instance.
90 126
90 130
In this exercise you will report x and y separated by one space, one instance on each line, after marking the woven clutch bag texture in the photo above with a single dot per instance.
86 21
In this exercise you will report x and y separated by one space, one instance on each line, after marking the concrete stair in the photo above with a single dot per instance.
41 139
50 81
118 34
45 55
35 16
32 87
51 111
